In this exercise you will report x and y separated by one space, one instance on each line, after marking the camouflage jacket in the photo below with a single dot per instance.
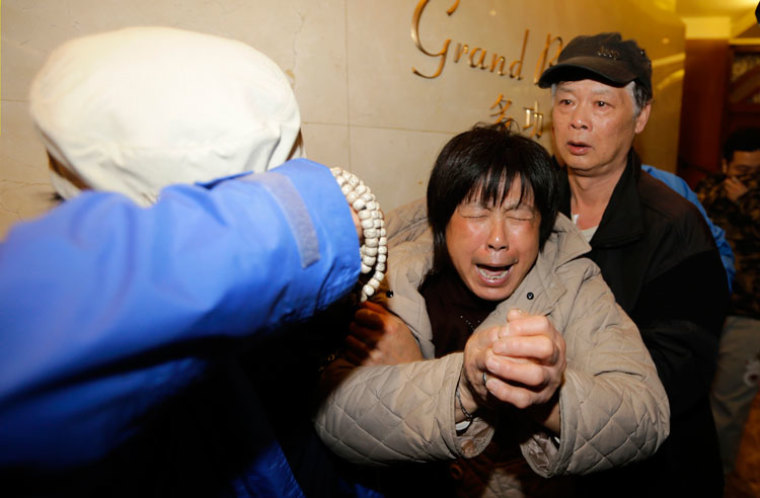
741 221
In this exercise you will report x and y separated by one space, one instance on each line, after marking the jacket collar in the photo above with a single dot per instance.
565 244
623 219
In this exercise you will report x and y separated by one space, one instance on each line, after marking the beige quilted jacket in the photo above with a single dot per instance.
613 407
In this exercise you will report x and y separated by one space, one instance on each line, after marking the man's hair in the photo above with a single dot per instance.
742 139
641 97
484 162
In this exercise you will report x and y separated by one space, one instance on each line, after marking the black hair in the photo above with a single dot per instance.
743 139
484 161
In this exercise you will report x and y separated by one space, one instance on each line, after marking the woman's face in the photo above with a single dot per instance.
493 247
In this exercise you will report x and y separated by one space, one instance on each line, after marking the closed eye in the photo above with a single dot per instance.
520 217
473 211
475 216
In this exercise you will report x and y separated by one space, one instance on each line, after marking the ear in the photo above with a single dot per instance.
643 118
724 166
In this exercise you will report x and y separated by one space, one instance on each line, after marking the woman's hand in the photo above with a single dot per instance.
527 361
521 363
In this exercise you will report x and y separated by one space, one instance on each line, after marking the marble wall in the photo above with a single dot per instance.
351 63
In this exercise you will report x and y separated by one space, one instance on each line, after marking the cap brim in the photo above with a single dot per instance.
597 68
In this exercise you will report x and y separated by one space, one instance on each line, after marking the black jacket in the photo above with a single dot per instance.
657 255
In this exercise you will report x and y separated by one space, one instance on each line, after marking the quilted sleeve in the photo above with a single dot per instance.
383 414
407 222
613 407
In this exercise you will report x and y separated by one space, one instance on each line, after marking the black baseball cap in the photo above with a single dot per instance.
605 57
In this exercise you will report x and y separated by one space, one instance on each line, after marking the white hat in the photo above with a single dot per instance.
140 108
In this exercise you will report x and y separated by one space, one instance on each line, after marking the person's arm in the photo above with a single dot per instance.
106 308
680 314
612 407
379 415
679 185
614 410
748 204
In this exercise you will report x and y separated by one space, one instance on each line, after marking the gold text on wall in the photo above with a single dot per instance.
489 60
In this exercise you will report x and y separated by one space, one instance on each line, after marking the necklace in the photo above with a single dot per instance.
470 326
374 250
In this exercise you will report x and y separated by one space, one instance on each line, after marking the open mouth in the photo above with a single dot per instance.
578 147
493 274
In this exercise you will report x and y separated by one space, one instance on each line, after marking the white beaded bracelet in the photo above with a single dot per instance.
374 251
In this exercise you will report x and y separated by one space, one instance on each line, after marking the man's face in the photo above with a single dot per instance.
594 125
743 164
493 247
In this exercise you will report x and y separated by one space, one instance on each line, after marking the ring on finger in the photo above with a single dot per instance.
485 377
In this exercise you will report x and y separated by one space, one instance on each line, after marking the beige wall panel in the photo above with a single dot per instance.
328 142
399 174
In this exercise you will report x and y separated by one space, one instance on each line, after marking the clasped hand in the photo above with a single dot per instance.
523 361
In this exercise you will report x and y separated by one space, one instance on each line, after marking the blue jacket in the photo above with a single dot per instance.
110 313
679 185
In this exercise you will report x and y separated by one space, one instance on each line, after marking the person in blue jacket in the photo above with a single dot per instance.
679 185
129 318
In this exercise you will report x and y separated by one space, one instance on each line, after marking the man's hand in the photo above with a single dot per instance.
734 188
378 337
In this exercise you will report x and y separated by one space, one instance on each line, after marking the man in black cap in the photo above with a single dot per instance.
654 249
